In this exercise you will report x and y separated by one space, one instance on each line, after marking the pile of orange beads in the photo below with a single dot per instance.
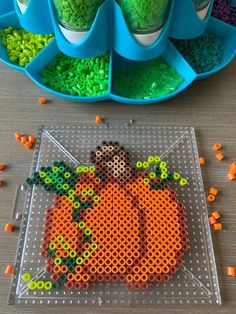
112 222
27 142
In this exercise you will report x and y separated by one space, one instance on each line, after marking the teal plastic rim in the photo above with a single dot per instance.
124 49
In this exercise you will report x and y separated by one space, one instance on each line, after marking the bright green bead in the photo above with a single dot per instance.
57 261
164 175
32 285
52 246
90 192
79 260
79 169
145 165
86 254
40 284
176 176
151 160
96 198
139 165
66 246
87 231
152 175
48 285
93 246
60 238
82 225
72 253
183 182
76 205
26 277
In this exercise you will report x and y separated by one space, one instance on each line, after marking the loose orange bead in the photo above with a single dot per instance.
1 183
98 119
213 191
42 101
18 136
231 177
216 214
211 198
28 145
2 166
217 146
220 156
217 226
23 139
202 161
212 220
9 228
231 271
9 270
32 139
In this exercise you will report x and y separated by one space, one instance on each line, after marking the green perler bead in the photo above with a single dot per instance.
26 277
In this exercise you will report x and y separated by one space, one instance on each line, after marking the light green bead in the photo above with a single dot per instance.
26 277
152 175
183 182
48 285
176 176
151 160
40 284
139 165
32 285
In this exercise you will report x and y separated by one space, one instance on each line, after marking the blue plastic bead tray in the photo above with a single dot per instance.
114 36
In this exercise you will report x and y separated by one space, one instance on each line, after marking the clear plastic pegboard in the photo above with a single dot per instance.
195 282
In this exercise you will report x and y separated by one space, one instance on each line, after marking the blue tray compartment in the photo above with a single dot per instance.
41 61
173 58
227 34
185 23
36 18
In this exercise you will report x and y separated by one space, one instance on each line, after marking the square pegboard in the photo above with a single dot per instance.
196 280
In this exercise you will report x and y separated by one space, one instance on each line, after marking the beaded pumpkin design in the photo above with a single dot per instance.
112 222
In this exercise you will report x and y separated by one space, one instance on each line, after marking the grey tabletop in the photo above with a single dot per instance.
208 105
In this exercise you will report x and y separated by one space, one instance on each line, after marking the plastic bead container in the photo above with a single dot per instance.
115 35
194 281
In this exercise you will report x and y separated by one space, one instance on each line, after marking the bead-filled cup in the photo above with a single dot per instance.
146 19
75 18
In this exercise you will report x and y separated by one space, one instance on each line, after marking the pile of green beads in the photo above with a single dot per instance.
146 15
78 77
145 81
21 45
202 53
77 14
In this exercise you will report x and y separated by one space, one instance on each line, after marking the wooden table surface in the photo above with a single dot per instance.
208 105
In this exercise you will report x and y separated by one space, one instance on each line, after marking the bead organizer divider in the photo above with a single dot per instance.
195 279
117 39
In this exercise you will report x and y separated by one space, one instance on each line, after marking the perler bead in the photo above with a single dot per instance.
112 222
